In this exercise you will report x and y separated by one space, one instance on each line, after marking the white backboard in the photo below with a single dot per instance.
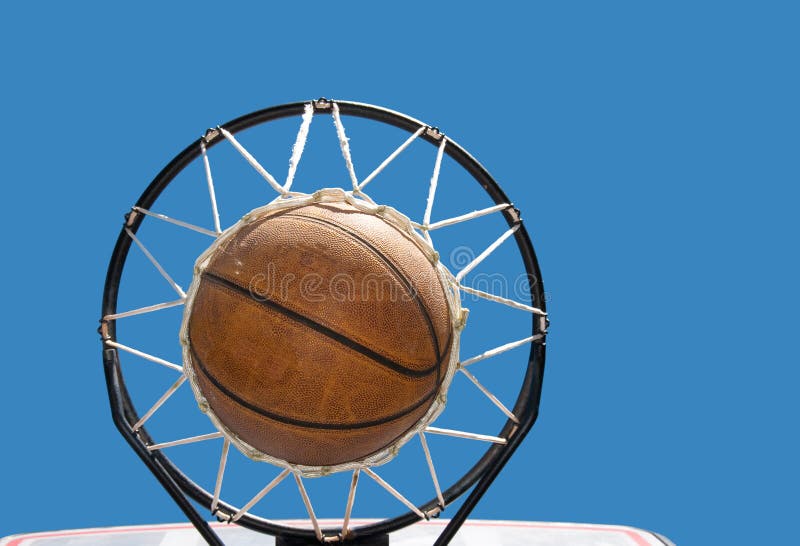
473 533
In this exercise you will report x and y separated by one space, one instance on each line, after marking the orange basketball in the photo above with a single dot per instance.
319 334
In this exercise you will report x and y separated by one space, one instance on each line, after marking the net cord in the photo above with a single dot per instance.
144 310
160 402
223 462
500 299
253 162
466 217
437 166
180 223
507 412
157 265
391 158
299 144
501 349
184 441
432 469
467 435
394 492
351 497
309 507
142 354
210 183
260 495
485 254
344 143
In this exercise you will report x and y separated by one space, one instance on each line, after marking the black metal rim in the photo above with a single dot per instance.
178 485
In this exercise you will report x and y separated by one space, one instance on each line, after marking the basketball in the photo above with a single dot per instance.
319 334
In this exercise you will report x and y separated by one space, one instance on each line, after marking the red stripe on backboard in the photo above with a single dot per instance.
18 541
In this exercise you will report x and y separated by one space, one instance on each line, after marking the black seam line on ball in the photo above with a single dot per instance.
322 329
198 363
388 263
449 347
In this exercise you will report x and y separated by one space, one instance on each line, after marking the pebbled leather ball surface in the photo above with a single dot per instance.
319 334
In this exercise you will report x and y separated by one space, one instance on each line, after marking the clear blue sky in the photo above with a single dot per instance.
651 146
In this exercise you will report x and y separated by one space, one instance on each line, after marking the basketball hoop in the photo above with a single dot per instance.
520 417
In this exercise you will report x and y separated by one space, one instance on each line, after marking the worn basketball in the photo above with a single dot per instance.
320 334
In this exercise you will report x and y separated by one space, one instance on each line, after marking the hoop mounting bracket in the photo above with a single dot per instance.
210 135
322 104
